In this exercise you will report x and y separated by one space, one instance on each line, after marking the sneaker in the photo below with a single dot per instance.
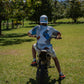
34 63
61 77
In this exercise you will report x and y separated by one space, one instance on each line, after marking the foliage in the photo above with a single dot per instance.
32 9
58 10
82 8
41 7
4 14
74 11
46 8
17 9
4 11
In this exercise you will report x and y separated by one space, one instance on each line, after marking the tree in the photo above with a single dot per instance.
40 7
46 8
17 12
74 11
28 7
7 11
35 11
82 8
58 10
1 7
2 13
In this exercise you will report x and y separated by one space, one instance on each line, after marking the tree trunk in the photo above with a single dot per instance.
54 20
3 25
16 24
0 28
55 3
7 25
75 20
23 23
12 25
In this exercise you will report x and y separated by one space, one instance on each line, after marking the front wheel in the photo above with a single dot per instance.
42 74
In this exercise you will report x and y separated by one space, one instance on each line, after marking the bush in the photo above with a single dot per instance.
17 23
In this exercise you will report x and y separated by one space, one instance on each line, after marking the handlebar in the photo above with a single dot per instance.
57 38
51 37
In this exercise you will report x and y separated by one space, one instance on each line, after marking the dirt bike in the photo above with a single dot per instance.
42 66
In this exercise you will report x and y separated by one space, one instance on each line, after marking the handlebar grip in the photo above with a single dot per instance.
60 38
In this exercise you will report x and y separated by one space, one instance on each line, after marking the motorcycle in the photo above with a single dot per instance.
43 63
42 66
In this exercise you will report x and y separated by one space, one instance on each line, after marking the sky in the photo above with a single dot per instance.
63 0
60 0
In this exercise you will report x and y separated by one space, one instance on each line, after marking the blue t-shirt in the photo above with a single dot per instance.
43 34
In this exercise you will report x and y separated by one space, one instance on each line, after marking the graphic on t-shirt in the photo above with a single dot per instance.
46 35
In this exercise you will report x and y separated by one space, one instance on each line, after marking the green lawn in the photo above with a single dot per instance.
16 55
70 20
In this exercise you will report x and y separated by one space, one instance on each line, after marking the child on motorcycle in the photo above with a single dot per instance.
43 33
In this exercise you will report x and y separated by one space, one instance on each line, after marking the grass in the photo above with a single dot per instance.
16 55
70 20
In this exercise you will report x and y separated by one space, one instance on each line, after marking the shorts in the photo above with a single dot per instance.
51 51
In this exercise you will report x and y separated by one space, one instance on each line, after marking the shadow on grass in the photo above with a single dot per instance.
9 29
5 42
49 81
14 35
6 29
11 39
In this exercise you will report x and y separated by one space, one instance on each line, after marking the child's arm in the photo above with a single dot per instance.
30 35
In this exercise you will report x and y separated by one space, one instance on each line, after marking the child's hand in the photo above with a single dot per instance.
59 36
31 35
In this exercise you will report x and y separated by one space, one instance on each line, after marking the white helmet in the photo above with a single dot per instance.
43 19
